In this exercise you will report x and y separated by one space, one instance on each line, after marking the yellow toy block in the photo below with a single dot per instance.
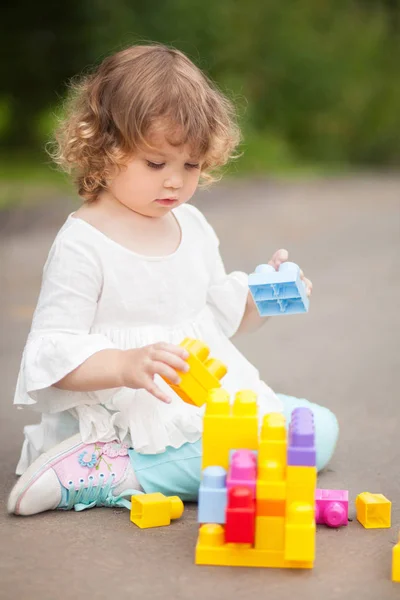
271 476
212 550
204 373
300 532
301 484
270 533
373 510
273 439
155 510
227 427
396 562
271 482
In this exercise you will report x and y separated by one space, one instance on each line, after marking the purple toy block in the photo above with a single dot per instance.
301 447
332 507
243 471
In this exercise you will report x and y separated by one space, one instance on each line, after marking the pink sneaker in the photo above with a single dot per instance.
75 475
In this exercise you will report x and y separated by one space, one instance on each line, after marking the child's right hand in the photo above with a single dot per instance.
139 366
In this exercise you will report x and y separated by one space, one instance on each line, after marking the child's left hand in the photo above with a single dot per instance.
281 256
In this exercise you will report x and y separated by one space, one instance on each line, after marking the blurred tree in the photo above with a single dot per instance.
43 44
320 75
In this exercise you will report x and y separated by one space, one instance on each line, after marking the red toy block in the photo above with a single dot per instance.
240 516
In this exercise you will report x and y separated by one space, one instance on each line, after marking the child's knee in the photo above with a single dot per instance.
326 434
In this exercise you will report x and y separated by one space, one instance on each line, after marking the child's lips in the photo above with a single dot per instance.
167 201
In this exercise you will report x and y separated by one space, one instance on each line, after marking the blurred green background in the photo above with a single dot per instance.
316 82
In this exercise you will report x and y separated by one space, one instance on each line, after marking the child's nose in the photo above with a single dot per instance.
173 182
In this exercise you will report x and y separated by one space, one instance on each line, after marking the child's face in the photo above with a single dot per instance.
157 179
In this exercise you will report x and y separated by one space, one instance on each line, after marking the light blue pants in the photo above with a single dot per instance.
176 472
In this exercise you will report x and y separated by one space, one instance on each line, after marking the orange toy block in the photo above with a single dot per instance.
270 508
204 373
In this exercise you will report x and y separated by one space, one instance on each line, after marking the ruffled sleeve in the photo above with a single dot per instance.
228 292
60 338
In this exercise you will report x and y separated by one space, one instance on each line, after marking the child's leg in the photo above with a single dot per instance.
326 426
177 471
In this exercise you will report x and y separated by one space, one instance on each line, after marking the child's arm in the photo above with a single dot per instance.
228 294
61 352
251 320
134 368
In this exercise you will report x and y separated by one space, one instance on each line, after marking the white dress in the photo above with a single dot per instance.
97 294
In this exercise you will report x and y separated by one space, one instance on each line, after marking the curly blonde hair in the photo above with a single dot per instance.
109 113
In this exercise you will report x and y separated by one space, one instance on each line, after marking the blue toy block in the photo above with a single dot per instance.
213 496
301 447
278 292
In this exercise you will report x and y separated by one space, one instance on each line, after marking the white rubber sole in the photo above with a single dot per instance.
41 464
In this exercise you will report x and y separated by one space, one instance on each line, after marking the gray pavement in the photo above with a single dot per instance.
345 233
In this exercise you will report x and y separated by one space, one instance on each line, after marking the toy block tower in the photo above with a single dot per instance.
260 509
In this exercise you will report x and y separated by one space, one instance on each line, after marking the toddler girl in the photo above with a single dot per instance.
131 273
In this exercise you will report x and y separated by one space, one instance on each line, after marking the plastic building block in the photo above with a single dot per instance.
211 549
270 508
240 516
373 510
396 561
332 507
278 292
155 510
213 496
227 426
270 533
301 484
271 479
204 373
242 472
300 532
271 484
273 444
301 449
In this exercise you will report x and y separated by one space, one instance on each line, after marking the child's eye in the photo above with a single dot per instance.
153 165
191 166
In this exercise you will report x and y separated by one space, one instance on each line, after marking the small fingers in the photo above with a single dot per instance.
160 368
279 257
172 360
173 349
153 389
307 283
